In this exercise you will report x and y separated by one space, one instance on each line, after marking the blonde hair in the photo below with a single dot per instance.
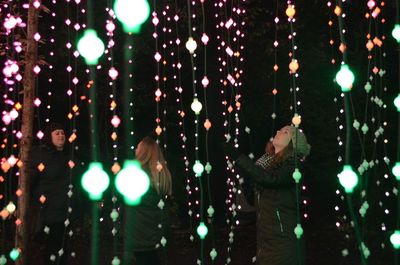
150 156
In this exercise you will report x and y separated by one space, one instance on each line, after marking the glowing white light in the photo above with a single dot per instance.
191 45
14 114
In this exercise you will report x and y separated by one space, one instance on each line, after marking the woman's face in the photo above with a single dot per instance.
58 139
282 137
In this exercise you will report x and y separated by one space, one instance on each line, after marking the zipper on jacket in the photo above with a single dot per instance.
279 219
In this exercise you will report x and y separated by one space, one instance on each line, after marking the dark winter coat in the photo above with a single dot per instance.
53 183
146 224
276 210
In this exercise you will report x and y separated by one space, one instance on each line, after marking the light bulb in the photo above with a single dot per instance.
191 45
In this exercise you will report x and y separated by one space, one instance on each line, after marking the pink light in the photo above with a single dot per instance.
77 26
205 81
113 73
36 4
205 39
229 51
36 69
37 102
157 56
371 4
18 135
229 23
75 80
69 92
7 71
40 135
115 121
6 118
110 27
10 23
155 21
111 44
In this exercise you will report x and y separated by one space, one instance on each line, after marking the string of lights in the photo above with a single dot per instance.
347 178
296 121
207 125
196 106
339 209
113 74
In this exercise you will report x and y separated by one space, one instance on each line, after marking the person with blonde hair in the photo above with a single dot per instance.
148 228
271 177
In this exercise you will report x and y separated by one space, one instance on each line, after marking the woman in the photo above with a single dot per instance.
271 177
147 223
50 181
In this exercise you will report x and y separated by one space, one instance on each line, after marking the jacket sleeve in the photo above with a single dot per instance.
280 177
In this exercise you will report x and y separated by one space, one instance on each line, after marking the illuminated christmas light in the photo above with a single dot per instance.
395 239
202 230
348 179
396 33
396 170
396 102
14 254
191 45
95 181
132 182
132 14
345 78
90 47
198 168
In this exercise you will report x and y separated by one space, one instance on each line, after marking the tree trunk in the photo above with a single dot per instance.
22 232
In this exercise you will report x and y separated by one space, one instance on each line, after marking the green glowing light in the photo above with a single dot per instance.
202 230
348 179
95 181
345 78
396 33
14 254
396 170
396 102
3 260
132 182
198 168
90 47
132 13
395 239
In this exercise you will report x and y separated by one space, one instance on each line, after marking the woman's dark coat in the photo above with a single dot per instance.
146 224
276 210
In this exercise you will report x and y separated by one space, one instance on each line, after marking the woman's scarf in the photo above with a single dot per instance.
265 161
